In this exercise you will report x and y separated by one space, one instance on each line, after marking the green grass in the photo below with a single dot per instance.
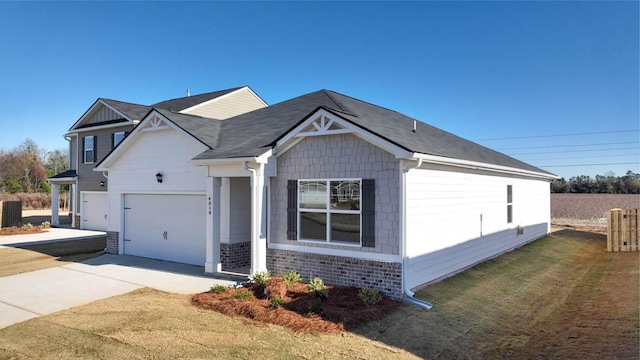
561 296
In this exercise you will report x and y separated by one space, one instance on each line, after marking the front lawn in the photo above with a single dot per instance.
563 296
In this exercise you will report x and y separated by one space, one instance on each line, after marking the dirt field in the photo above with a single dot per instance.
590 206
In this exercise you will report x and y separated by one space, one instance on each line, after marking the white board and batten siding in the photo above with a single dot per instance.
101 114
238 102
165 151
458 219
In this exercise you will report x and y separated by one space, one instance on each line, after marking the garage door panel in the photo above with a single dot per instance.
166 227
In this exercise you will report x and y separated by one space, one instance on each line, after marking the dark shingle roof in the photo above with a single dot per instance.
253 133
183 103
66 174
130 110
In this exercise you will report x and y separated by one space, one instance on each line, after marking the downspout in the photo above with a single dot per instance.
408 294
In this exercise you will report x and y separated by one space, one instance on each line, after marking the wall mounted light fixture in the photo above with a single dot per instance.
159 177
102 183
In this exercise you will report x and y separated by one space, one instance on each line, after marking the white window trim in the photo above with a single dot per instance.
114 143
328 211
92 149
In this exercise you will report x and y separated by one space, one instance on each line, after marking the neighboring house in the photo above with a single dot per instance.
323 184
105 124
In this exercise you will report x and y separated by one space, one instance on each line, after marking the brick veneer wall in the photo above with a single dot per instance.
339 270
77 224
235 255
112 242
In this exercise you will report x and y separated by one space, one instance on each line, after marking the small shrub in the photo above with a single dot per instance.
46 224
219 289
242 294
27 227
315 307
275 302
261 277
291 278
318 288
370 296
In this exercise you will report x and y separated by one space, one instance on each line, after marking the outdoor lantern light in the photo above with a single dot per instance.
159 177
102 183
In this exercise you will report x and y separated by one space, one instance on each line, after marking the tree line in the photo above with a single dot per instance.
25 168
601 184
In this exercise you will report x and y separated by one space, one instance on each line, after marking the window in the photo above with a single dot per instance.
329 210
89 149
116 138
509 204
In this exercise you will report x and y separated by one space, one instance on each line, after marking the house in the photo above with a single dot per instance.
105 124
323 184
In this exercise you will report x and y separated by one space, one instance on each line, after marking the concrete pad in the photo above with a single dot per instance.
28 295
10 315
50 236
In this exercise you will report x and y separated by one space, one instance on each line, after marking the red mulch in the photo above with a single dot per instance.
19 231
342 310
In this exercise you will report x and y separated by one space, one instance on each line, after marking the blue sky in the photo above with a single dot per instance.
481 70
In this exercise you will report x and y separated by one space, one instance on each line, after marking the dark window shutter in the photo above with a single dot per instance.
292 210
368 212
84 159
113 140
95 148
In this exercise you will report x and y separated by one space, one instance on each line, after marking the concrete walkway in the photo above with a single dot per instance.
29 295
50 236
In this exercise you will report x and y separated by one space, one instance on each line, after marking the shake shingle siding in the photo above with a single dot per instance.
340 156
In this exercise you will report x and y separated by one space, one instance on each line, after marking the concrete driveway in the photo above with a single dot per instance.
29 295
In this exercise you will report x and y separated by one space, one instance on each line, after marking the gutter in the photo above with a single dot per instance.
408 294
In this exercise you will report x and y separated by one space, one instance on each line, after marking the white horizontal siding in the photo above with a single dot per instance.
445 232
164 151
236 103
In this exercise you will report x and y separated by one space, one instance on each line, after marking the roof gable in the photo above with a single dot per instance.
183 103
163 120
108 111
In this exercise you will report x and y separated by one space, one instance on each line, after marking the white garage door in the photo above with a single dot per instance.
166 227
94 211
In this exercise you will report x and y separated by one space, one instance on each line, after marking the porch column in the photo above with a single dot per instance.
212 258
72 201
258 223
55 204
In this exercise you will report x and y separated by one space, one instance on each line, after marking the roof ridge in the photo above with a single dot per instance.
120 101
207 93
341 107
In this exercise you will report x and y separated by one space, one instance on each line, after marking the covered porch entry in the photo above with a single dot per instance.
69 177
236 217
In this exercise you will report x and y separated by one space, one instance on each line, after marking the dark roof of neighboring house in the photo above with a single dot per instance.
251 134
130 110
183 103
66 174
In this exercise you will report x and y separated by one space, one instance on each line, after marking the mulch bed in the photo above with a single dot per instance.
342 310
20 231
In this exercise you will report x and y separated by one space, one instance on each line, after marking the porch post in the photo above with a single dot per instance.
55 204
212 257
258 233
73 207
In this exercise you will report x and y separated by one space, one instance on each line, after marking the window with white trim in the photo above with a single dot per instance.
329 210
509 204
116 138
89 149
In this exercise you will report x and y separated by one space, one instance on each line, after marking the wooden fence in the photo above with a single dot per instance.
622 230
10 213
